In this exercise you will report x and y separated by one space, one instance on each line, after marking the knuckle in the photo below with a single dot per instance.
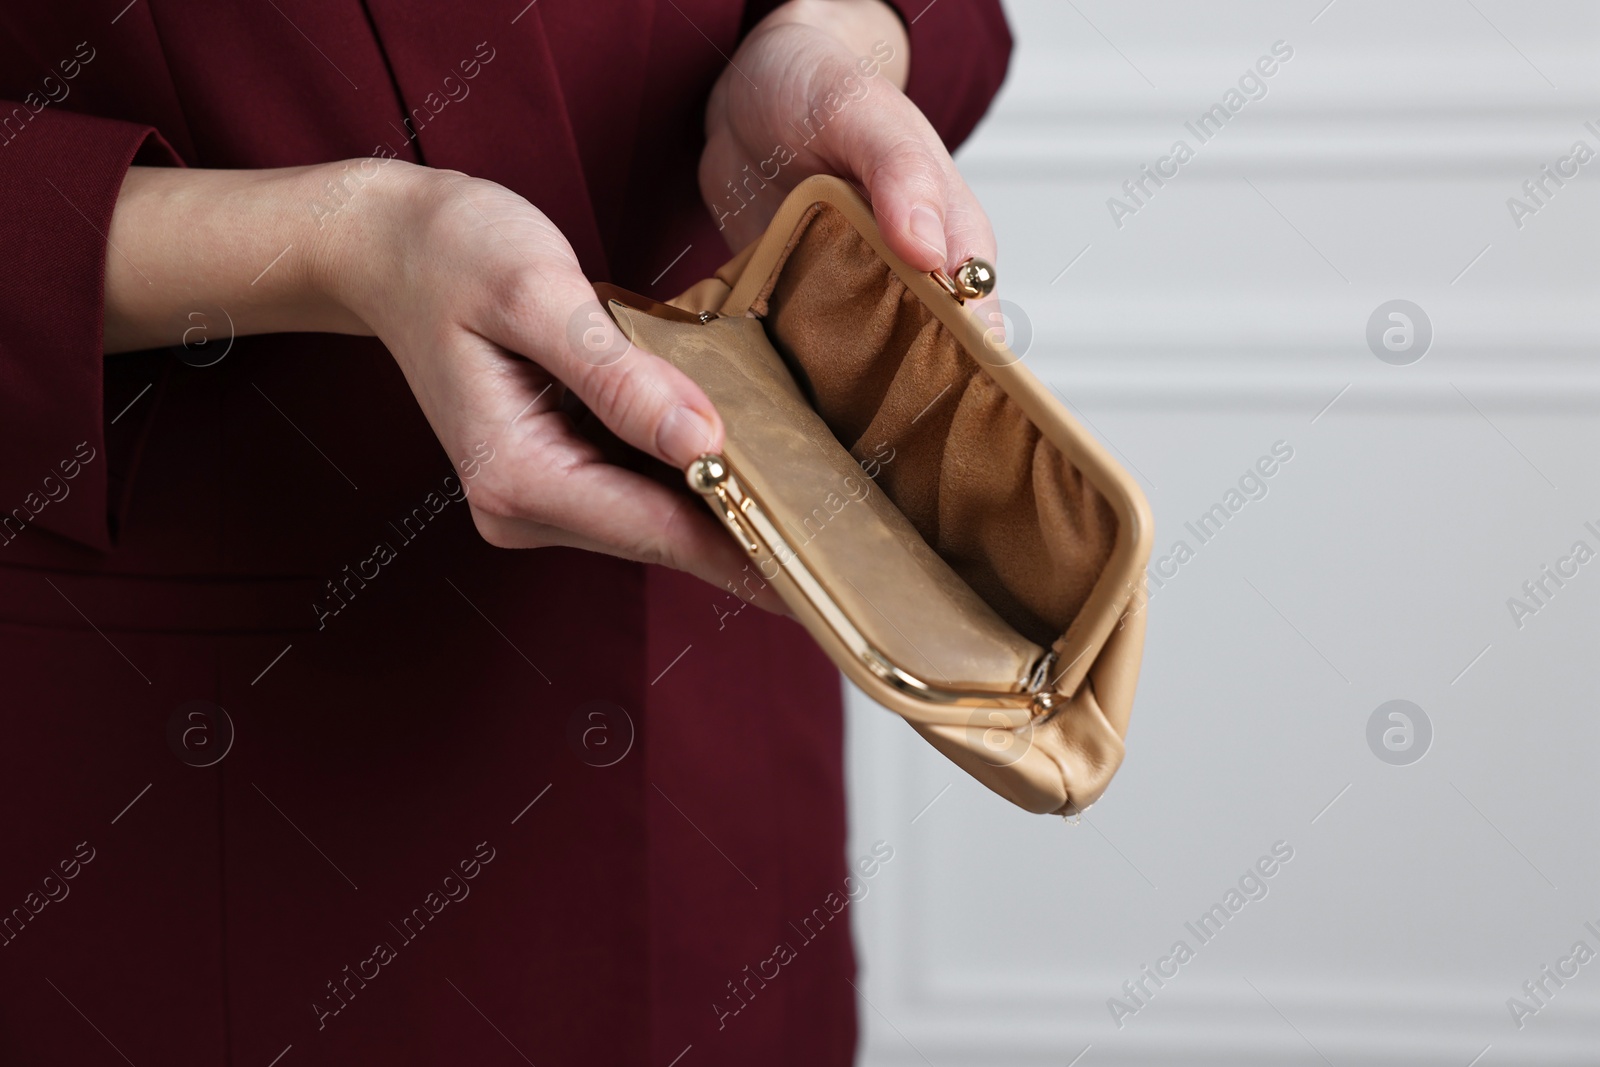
497 503
494 529
517 293
917 165
617 398
909 166
664 549
510 532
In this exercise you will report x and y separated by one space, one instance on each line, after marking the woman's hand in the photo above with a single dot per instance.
816 89
485 309
481 301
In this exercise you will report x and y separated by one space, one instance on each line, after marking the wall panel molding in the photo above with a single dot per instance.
1228 311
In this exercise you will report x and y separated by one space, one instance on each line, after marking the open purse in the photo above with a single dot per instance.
951 537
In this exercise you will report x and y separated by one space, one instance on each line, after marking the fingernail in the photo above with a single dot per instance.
684 434
928 228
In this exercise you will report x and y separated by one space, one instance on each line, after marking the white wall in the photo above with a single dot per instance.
1221 318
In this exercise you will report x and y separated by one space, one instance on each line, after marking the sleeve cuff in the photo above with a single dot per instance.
60 174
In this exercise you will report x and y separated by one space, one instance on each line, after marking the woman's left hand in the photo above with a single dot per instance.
816 89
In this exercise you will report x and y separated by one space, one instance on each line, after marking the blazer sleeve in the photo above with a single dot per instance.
959 53
60 173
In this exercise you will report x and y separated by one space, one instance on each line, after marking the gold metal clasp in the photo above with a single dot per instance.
974 280
708 475
713 477
629 299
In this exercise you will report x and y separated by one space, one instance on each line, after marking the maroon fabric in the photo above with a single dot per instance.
166 530
959 53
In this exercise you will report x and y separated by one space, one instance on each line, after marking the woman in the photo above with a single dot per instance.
302 767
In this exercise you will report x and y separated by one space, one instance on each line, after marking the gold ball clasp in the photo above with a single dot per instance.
706 473
974 279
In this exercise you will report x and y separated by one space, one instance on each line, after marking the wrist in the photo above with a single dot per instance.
189 243
357 212
862 26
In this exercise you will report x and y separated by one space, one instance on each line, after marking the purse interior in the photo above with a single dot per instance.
994 498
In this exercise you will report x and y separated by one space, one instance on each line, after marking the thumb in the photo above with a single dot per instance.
640 397
928 215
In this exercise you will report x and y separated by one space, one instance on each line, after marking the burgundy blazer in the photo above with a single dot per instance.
297 770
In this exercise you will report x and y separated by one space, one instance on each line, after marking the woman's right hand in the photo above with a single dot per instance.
482 303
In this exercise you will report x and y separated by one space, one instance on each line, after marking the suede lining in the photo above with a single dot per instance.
995 499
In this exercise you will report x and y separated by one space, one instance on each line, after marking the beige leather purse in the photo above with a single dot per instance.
961 548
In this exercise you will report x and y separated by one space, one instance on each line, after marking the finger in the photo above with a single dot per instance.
556 320
968 232
735 577
929 216
603 508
